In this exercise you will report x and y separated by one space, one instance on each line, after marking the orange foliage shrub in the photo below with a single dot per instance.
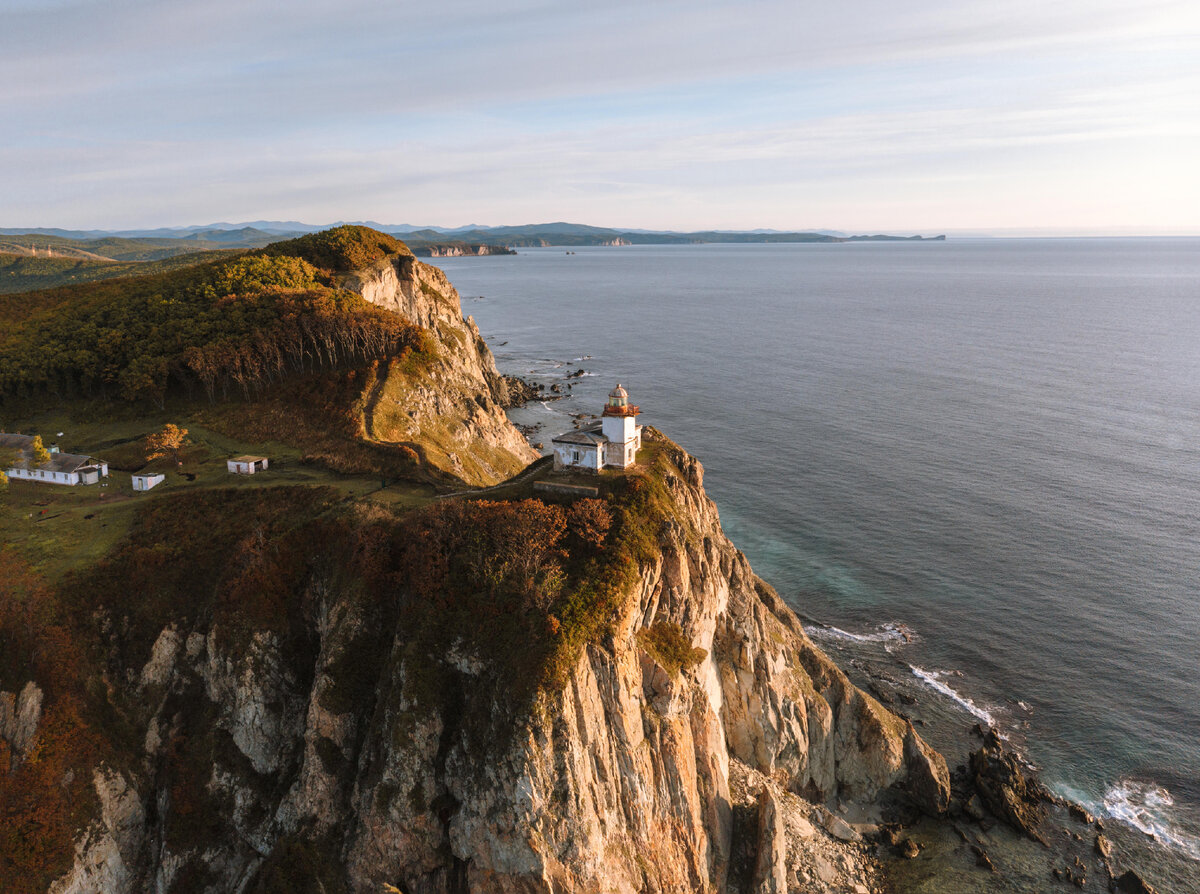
167 442
589 521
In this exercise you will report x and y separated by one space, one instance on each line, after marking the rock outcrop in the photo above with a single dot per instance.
1132 883
770 871
20 715
107 858
1009 787
450 409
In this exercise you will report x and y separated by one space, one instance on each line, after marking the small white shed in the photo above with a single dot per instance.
246 465
145 482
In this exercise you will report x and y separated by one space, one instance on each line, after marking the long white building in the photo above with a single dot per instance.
61 468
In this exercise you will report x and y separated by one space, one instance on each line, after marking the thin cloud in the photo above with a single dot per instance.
140 113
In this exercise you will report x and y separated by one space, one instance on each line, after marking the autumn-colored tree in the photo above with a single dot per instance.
589 521
167 442
39 452
7 458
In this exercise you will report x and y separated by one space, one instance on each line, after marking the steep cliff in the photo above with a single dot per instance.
449 408
454 249
368 702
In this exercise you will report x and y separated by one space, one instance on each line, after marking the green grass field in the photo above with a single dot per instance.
58 527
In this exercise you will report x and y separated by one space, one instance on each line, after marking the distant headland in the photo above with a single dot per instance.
48 257
470 239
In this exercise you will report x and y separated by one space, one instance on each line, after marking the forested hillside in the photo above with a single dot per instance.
27 273
233 325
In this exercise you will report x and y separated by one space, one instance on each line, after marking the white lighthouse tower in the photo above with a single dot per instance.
619 425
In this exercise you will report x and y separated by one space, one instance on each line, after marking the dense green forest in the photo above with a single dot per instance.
237 325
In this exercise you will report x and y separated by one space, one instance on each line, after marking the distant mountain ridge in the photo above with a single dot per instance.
253 234
44 257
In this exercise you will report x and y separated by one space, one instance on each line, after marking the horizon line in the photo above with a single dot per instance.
1134 231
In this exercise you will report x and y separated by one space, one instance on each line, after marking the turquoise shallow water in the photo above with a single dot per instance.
994 443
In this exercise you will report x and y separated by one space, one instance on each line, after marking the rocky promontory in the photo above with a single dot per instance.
694 740
454 249
513 694
477 684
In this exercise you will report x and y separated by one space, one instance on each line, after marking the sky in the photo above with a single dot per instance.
1070 116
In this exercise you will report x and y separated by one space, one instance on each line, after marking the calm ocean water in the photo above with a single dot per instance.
995 443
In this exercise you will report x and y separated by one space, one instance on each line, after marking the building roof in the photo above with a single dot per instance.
58 462
20 442
67 462
588 436
248 459
619 392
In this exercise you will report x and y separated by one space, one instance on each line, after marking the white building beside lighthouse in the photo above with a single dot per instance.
611 443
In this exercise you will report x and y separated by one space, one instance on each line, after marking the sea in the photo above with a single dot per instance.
975 463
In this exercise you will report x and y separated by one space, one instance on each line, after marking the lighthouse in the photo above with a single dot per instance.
612 443
619 425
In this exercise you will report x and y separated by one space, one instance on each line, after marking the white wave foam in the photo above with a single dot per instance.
885 633
933 679
1148 807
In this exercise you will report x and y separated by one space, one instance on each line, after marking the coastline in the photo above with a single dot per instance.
956 725
1082 844
966 479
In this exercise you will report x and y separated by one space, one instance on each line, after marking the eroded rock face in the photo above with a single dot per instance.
1009 788
107 858
383 775
455 407
20 715
770 871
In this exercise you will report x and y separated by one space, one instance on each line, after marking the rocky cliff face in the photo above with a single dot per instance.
453 407
359 763
20 714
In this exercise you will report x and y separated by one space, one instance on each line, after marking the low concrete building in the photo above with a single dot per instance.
611 443
145 482
582 449
246 465
61 468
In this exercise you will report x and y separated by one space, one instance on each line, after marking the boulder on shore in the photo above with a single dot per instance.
1132 883
1009 787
